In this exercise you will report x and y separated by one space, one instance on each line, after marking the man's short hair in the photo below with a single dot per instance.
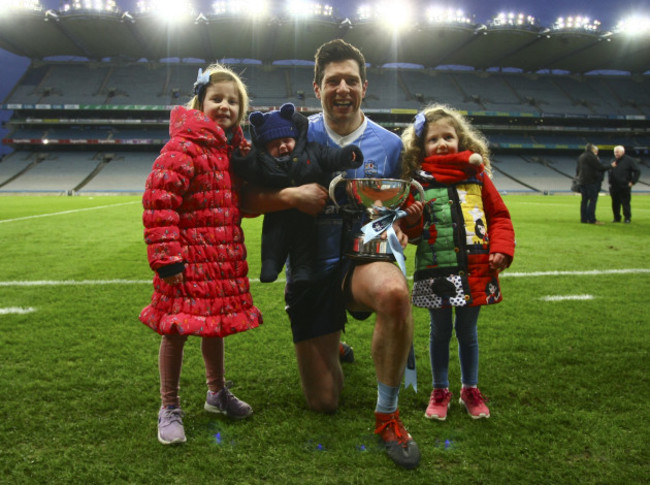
337 50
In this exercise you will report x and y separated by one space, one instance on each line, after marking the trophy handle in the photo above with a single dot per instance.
335 181
419 188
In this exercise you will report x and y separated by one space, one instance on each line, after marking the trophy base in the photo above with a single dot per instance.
374 250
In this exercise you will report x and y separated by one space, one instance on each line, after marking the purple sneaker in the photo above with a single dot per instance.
170 425
224 402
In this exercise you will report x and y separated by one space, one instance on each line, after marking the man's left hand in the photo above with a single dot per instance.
401 237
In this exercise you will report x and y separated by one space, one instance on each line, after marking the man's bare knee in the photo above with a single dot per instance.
325 406
321 399
393 299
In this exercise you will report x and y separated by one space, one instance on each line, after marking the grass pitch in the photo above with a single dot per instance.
564 363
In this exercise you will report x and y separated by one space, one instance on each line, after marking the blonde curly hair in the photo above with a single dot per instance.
220 73
469 138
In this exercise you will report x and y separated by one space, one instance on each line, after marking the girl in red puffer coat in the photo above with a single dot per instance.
195 244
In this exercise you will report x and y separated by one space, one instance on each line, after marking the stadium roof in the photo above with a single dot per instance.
97 36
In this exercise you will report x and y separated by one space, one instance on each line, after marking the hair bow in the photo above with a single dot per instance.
201 80
418 123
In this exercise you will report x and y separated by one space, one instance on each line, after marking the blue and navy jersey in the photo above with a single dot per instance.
381 148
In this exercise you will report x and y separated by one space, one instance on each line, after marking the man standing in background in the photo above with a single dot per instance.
590 174
623 174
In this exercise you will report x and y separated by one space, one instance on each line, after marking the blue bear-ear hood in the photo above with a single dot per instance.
274 124
287 110
256 118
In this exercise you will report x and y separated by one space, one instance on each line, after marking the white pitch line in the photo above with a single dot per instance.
75 282
281 280
594 272
26 218
566 297
14 310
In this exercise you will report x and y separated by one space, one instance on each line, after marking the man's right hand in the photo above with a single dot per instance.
309 198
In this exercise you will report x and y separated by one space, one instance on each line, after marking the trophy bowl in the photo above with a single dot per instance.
368 196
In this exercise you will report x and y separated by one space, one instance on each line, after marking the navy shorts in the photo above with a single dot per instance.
318 308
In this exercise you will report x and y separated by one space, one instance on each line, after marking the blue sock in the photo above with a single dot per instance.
386 398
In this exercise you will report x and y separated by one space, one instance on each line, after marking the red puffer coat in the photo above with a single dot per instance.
192 225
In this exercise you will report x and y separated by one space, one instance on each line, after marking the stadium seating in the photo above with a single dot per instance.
57 172
267 86
112 108
126 172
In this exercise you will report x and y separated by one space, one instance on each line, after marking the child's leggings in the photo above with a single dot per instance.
442 323
170 362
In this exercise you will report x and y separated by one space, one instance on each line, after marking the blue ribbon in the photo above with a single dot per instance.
202 80
384 223
418 123
373 229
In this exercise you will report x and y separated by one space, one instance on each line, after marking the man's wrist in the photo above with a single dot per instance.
288 196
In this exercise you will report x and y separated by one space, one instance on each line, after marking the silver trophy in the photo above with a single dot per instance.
371 196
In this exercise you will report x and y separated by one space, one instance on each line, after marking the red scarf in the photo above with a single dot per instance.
451 168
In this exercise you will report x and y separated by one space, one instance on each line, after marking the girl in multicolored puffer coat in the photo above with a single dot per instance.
464 238
195 245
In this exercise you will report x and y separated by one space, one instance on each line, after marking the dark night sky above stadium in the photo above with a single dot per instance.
546 12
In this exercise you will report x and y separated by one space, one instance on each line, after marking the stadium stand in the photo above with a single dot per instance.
490 91
55 173
493 100
126 172
301 87
387 89
429 86
95 125
268 86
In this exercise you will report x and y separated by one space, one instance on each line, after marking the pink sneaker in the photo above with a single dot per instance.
474 402
438 404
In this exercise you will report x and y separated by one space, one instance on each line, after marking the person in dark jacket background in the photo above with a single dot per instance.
623 174
590 175
281 157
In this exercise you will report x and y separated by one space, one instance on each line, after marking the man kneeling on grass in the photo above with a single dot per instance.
317 307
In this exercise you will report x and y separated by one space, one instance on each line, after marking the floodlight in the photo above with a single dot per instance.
513 19
168 10
441 15
393 15
634 25
576 22
364 12
253 8
6 5
302 8
94 5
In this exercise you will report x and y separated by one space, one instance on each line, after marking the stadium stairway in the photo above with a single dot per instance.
38 158
57 172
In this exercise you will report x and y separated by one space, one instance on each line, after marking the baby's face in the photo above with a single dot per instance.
281 147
